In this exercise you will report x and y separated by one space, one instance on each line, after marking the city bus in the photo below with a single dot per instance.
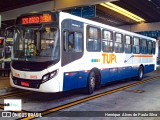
56 52
5 52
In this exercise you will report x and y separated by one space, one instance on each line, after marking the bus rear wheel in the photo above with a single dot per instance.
91 82
140 73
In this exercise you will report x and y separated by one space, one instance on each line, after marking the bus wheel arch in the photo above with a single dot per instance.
93 80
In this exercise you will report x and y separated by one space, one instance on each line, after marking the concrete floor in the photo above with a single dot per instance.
127 100
4 82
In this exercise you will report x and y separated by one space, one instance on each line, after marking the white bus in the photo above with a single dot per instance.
57 51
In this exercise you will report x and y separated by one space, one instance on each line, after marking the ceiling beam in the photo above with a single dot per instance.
65 4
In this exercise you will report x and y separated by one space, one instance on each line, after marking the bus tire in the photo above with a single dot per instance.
140 73
98 81
91 82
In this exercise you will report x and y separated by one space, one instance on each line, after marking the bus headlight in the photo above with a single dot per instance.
49 76
52 74
45 77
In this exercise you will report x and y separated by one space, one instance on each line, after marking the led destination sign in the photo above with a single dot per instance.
36 18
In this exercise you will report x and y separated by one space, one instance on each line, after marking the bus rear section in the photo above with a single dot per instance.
5 52
108 54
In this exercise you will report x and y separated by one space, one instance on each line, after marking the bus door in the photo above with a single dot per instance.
72 41
72 49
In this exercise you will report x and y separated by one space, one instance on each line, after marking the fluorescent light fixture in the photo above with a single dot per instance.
122 11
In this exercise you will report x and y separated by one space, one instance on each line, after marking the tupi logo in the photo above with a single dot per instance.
109 58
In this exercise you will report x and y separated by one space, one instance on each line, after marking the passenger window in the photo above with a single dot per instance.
128 44
78 42
72 41
143 46
154 47
93 39
107 41
149 47
118 43
136 47
65 37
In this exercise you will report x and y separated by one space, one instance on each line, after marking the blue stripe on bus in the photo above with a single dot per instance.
148 68
113 74
78 79
75 81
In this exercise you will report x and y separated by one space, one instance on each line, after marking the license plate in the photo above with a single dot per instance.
26 84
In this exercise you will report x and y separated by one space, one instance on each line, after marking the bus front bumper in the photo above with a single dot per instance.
51 85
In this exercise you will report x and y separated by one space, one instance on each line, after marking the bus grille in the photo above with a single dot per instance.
32 83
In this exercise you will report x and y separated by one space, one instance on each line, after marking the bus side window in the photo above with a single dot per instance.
65 37
143 46
107 41
136 47
128 44
118 43
149 47
93 39
72 41
154 47
78 42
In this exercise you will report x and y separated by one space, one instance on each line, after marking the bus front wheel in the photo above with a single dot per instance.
91 82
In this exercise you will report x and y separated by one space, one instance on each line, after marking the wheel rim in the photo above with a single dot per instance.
141 74
92 82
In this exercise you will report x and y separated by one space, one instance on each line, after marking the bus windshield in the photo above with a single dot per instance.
38 44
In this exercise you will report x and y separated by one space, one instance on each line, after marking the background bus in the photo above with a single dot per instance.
56 51
5 52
